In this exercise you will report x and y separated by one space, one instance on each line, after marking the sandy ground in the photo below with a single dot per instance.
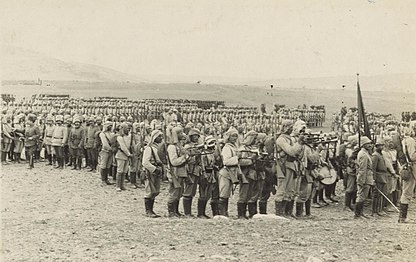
64 215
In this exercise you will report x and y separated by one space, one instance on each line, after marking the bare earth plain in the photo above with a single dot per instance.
64 215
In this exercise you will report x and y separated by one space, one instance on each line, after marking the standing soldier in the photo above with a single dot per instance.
59 139
19 129
106 153
364 175
178 157
135 161
228 175
6 138
32 135
248 178
270 181
287 168
47 140
90 144
154 171
193 170
75 143
122 156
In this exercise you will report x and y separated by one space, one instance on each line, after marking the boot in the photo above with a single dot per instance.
403 213
354 197
308 208
187 206
49 160
289 208
122 181
148 207
118 182
299 209
280 207
108 182
58 161
222 207
171 210
114 172
152 203
103 179
17 157
358 209
252 209
202 204
226 206
133 180
79 163
214 208
263 207
241 210
176 203
348 201
54 160
74 163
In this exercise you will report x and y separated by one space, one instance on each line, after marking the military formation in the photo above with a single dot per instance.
207 152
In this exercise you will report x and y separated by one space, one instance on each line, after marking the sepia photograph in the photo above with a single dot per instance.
164 131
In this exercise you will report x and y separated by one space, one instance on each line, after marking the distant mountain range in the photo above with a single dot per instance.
22 64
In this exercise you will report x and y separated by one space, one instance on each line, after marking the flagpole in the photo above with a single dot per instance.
359 118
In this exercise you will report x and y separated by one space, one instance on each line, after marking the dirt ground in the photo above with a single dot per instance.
64 215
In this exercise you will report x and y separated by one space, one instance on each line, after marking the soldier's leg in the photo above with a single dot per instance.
290 191
203 198
215 198
225 188
280 201
174 196
362 194
407 195
243 194
255 193
120 174
303 195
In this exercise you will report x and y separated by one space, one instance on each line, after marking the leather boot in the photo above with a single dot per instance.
358 209
74 163
280 207
187 206
214 208
118 182
79 163
108 182
58 161
252 209
263 208
148 207
17 157
176 204
403 213
102 173
241 210
226 206
289 208
49 160
222 207
114 172
299 209
308 208
202 205
152 203
171 210
123 175
348 201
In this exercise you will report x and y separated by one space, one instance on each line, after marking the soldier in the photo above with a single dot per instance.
32 135
381 176
90 144
75 143
364 175
154 171
248 180
7 138
178 157
268 146
59 139
122 156
193 170
288 166
228 175
136 150
47 140
409 181
350 175
18 137
106 152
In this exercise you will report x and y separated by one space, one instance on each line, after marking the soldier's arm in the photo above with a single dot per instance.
375 160
174 158
362 163
104 141
123 147
287 148
228 158
147 155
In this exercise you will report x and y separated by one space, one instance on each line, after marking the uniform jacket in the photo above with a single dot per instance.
380 171
47 140
32 135
364 168
59 136
123 152
90 136
177 160
76 138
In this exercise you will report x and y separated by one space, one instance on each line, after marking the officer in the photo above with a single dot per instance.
59 139
32 134
76 140
122 156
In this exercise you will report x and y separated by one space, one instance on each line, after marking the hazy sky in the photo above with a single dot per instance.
254 39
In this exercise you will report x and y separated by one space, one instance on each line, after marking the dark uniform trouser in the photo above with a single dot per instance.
30 151
151 186
93 157
267 186
176 193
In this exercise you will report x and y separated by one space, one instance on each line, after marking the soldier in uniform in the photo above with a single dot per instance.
178 157
6 138
135 161
154 171
75 143
365 177
106 152
32 135
228 175
288 166
18 131
90 144
270 181
59 139
122 156
47 140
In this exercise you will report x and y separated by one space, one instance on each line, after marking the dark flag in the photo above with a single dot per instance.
362 119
